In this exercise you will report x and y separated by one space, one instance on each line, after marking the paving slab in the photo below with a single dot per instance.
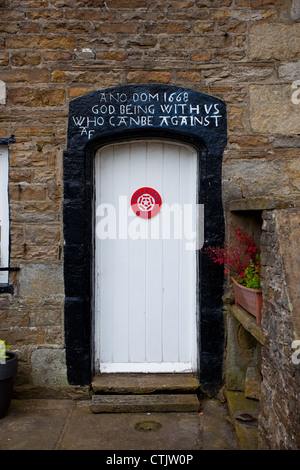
244 414
71 425
132 431
34 424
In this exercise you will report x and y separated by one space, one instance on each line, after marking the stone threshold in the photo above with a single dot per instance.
139 393
127 384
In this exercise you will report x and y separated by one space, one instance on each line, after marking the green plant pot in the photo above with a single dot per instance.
7 373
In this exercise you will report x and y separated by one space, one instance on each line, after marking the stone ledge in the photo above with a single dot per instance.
264 203
248 321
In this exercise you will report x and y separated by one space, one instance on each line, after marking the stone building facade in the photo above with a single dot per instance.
243 52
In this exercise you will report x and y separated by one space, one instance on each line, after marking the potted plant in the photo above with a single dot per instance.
8 369
241 261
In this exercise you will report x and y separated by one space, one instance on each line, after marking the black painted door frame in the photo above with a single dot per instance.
87 131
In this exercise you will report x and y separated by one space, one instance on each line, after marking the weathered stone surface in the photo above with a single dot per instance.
274 41
40 281
287 225
148 76
49 367
35 43
264 202
272 110
295 10
2 92
279 419
144 383
144 403
249 322
289 72
243 351
257 177
244 415
253 383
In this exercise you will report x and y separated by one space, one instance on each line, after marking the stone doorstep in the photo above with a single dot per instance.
144 403
127 384
134 393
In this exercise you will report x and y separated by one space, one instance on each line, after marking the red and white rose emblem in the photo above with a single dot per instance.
146 202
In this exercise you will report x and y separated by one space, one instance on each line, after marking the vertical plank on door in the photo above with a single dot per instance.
137 253
170 257
105 254
119 290
187 298
154 289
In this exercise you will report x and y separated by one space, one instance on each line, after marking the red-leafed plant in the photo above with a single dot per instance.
241 259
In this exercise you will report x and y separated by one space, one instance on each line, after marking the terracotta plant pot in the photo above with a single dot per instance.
7 373
249 299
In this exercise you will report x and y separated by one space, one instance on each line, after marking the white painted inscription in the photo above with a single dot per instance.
146 109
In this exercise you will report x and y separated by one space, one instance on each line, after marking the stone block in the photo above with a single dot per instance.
243 351
54 56
272 110
257 177
4 59
144 403
118 56
45 235
41 281
49 368
143 76
2 92
117 28
34 254
88 14
287 228
289 72
126 4
40 42
295 10
38 97
274 41
167 28
252 383
68 28
26 59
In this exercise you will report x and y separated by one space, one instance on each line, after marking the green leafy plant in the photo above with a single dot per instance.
251 276
240 260
3 349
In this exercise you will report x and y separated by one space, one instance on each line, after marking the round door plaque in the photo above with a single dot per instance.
146 202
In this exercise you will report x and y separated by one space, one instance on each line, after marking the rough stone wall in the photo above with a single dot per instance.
279 422
245 52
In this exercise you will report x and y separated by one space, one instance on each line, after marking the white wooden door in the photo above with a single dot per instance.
145 296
